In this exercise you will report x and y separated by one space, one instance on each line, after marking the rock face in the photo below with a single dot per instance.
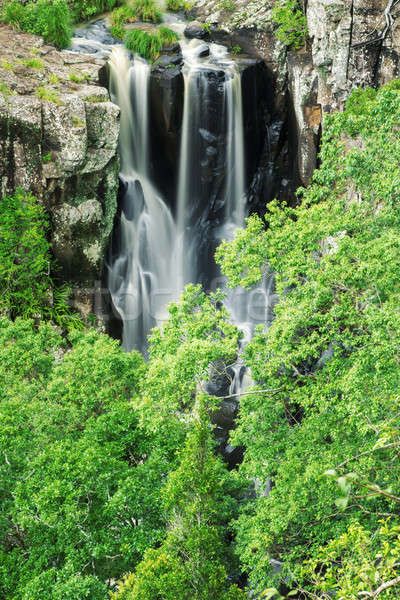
59 138
166 116
351 43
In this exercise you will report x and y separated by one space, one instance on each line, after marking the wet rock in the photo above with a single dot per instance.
195 29
166 113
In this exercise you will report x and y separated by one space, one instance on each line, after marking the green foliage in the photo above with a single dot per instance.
33 63
5 64
236 49
76 77
53 79
24 256
331 354
6 90
48 18
227 5
44 93
191 562
80 486
149 45
355 564
179 5
291 23
46 158
79 504
147 11
120 16
84 10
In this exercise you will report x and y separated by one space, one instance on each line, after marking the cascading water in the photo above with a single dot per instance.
161 244
145 275
158 251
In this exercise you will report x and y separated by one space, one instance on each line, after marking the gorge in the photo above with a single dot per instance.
199 294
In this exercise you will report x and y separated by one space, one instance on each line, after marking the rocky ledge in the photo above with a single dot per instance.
351 43
59 139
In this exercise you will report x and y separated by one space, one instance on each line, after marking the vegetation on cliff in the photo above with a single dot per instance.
108 467
331 354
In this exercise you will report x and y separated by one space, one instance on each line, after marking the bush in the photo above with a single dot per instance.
83 10
47 18
120 16
292 23
178 5
24 255
147 11
149 45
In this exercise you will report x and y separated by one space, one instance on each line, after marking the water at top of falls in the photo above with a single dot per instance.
129 88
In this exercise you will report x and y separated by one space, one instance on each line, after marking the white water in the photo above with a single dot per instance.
145 275
158 251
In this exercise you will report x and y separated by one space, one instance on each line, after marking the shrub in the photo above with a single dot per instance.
83 10
149 45
123 14
120 16
47 18
147 11
291 22
178 5
24 255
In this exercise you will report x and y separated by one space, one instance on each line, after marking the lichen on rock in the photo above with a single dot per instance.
59 139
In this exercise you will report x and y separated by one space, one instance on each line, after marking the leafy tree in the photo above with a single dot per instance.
291 23
79 500
26 287
330 358
356 565
24 256
191 563
89 435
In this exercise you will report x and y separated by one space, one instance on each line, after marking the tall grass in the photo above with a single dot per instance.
147 11
149 45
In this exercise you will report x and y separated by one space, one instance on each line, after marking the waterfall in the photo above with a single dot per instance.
235 190
158 251
144 275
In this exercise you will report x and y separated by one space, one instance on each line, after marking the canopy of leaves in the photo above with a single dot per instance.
88 436
331 355
291 22
199 498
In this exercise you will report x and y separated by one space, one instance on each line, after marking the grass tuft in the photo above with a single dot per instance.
149 45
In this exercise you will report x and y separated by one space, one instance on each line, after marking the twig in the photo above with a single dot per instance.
381 588
271 392
389 22
393 445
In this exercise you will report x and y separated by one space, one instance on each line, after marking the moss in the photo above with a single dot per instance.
43 93
32 63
